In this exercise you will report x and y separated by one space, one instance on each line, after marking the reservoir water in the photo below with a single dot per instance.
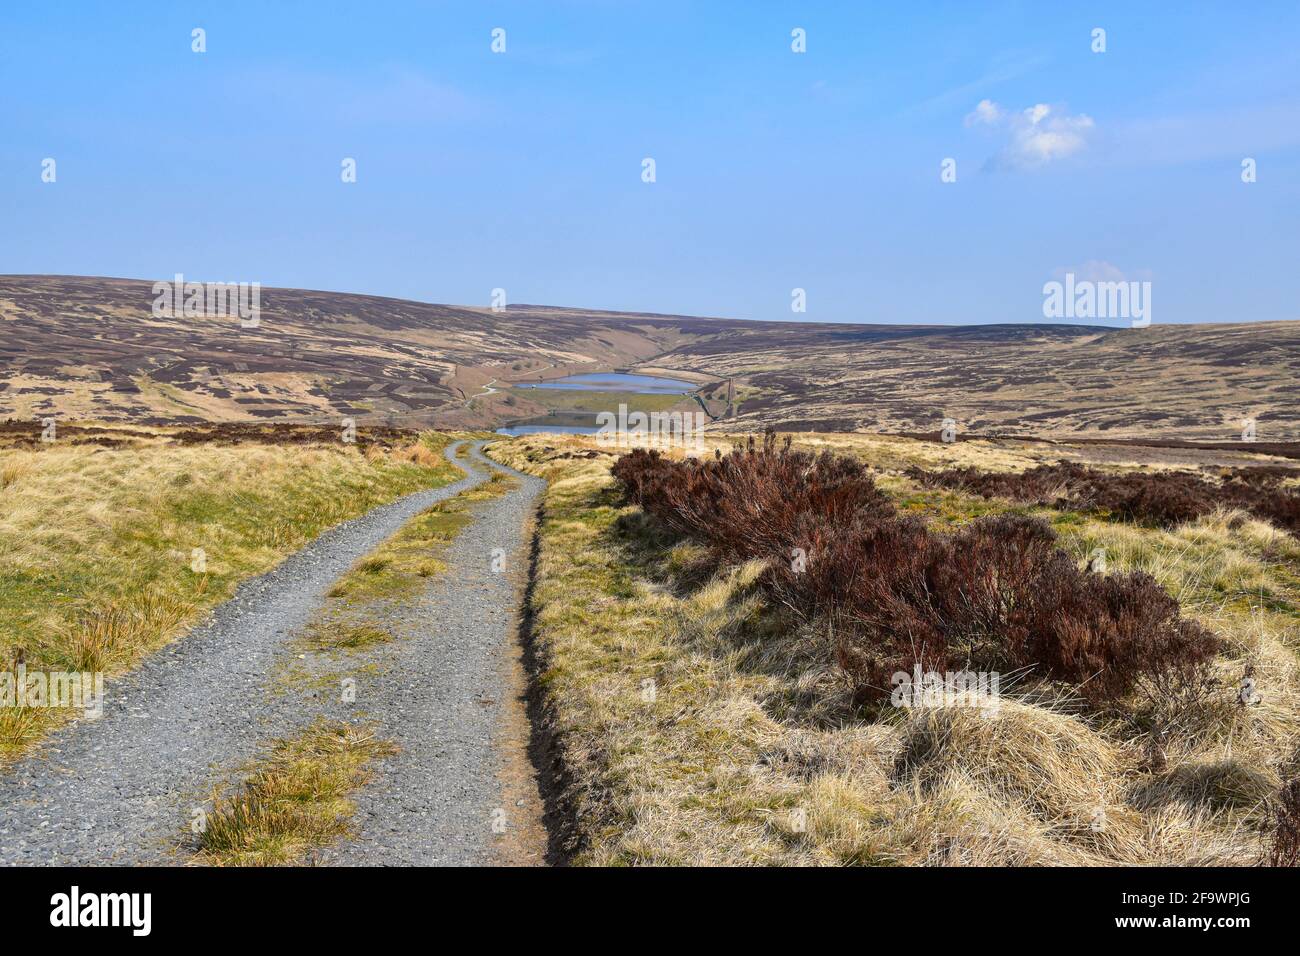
598 382
548 429
618 382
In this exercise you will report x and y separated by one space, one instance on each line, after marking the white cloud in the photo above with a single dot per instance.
1036 136
1036 114
986 112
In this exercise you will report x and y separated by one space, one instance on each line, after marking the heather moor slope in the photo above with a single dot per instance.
91 348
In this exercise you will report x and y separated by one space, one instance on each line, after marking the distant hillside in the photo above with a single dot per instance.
1170 381
91 348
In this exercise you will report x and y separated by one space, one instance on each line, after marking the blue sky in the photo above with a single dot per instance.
774 170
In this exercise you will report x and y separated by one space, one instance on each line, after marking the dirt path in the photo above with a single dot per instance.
446 694
487 390
122 789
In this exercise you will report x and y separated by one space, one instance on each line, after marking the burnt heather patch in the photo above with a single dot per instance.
1162 499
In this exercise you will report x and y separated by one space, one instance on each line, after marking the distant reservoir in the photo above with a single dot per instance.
582 420
618 382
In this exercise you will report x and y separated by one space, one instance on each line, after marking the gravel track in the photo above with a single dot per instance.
121 789
439 696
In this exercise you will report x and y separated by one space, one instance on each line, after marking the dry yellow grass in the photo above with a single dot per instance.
294 801
698 727
108 553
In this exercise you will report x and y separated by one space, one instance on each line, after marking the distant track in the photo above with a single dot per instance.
487 390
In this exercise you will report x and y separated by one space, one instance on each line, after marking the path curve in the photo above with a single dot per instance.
443 695
121 789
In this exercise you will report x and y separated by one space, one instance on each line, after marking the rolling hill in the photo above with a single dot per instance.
90 348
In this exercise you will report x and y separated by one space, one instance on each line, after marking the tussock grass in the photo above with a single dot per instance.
97 545
294 801
330 635
746 748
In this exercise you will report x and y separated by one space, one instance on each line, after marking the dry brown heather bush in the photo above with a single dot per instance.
1285 850
997 595
1163 499
1267 476
745 755
757 501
